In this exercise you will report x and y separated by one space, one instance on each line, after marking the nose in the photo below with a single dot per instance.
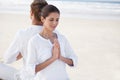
55 23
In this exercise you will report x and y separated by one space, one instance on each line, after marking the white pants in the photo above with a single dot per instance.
7 72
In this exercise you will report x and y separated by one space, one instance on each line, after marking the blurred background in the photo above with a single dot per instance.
91 26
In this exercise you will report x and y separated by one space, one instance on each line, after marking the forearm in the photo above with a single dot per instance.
66 60
10 57
43 65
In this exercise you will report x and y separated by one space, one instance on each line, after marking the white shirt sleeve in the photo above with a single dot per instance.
13 50
28 71
69 52
31 57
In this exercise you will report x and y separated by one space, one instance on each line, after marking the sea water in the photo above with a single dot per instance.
69 8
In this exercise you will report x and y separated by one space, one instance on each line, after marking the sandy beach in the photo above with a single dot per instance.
96 42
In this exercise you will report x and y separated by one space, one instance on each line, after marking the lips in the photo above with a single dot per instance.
53 27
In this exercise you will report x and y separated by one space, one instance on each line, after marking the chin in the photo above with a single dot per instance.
52 29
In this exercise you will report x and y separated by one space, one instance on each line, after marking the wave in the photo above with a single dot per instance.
69 8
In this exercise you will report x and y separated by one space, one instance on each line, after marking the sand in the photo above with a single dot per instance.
96 42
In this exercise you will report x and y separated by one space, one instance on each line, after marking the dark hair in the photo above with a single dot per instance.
36 8
49 9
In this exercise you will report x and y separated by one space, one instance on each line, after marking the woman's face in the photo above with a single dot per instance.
51 21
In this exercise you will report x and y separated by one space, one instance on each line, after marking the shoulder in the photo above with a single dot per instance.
34 38
61 36
56 31
20 33
23 32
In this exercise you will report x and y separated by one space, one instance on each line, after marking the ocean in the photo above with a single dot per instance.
69 8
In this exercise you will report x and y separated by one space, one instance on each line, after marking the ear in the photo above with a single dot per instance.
42 19
31 14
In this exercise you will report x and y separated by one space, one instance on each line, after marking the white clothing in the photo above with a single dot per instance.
7 72
20 43
39 50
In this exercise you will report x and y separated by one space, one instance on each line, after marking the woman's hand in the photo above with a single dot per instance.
56 49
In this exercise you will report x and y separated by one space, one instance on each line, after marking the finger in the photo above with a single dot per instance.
58 45
55 40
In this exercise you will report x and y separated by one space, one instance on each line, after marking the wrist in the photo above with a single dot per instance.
53 58
61 57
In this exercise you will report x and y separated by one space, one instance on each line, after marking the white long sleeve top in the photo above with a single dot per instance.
19 44
39 50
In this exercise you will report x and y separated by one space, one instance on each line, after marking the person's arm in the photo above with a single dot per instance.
43 65
70 57
55 56
66 60
32 61
19 56
14 49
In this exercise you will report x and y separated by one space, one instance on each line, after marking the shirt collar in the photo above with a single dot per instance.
36 26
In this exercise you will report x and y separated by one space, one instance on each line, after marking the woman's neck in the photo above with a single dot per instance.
46 33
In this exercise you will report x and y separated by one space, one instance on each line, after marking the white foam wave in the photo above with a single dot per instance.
66 7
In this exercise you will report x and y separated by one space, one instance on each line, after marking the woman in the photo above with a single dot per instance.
49 52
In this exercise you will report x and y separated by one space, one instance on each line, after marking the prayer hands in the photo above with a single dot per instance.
56 50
